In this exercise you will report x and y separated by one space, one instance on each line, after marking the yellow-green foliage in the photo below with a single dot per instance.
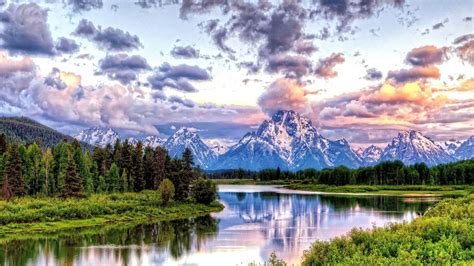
443 236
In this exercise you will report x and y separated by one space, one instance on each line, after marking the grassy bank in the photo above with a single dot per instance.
443 236
248 182
388 190
32 215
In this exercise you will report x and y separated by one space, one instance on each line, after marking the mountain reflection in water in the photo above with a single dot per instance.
256 221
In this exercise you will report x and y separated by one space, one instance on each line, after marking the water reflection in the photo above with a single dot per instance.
255 222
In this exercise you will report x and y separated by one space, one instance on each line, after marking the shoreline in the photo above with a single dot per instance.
363 190
28 218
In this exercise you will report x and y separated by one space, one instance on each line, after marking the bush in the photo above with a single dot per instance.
204 191
166 191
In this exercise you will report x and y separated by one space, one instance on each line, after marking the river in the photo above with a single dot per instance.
256 221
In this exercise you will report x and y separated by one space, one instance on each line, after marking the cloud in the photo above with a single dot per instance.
325 67
466 51
291 66
376 113
123 67
413 74
66 45
178 77
85 28
25 29
463 38
15 78
184 102
85 5
373 74
284 94
111 39
185 52
440 25
426 55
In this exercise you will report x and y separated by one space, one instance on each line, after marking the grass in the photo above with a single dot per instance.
33 216
443 236
451 191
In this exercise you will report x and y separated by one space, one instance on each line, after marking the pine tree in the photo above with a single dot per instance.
101 187
159 166
127 151
117 153
13 182
3 143
112 179
46 163
34 159
72 186
148 160
123 182
138 167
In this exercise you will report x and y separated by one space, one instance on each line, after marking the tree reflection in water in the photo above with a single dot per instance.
117 245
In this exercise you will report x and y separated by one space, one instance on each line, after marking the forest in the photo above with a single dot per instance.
385 173
68 170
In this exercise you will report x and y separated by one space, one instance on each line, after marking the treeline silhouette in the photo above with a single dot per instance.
68 170
385 173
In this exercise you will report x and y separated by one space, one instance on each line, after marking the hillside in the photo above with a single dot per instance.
24 130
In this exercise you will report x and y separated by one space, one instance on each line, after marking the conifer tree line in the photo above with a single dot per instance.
67 170
385 173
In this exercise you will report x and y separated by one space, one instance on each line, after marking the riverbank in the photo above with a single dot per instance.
248 182
443 236
403 190
27 216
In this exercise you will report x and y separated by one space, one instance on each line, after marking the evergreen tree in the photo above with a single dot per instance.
35 182
117 153
13 183
112 179
3 144
123 182
138 167
46 162
101 187
72 186
127 151
148 160
159 166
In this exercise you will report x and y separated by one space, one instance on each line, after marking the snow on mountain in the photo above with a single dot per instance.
289 141
371 155
98 136
187 138
412 147
450 146
466 149
153 141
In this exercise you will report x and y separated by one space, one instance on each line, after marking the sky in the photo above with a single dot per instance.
360 69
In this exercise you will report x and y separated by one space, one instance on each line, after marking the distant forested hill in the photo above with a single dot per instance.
24 130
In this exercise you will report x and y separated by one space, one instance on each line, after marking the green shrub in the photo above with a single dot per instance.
204 191
166 191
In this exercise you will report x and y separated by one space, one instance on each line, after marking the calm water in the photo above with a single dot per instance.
256 221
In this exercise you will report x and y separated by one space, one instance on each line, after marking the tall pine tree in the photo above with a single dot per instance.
72 186
138 167
13 182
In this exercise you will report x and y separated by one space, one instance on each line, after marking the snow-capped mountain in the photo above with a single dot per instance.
371 155
465 150
187 138
98 136
153 141
412 147
289 141
450 146
219 149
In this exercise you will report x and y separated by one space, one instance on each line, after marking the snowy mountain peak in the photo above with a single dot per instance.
413 147
466 149
288 140
98 136
188 138
371 154
450 146
153 141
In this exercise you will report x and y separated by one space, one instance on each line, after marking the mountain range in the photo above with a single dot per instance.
290 141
